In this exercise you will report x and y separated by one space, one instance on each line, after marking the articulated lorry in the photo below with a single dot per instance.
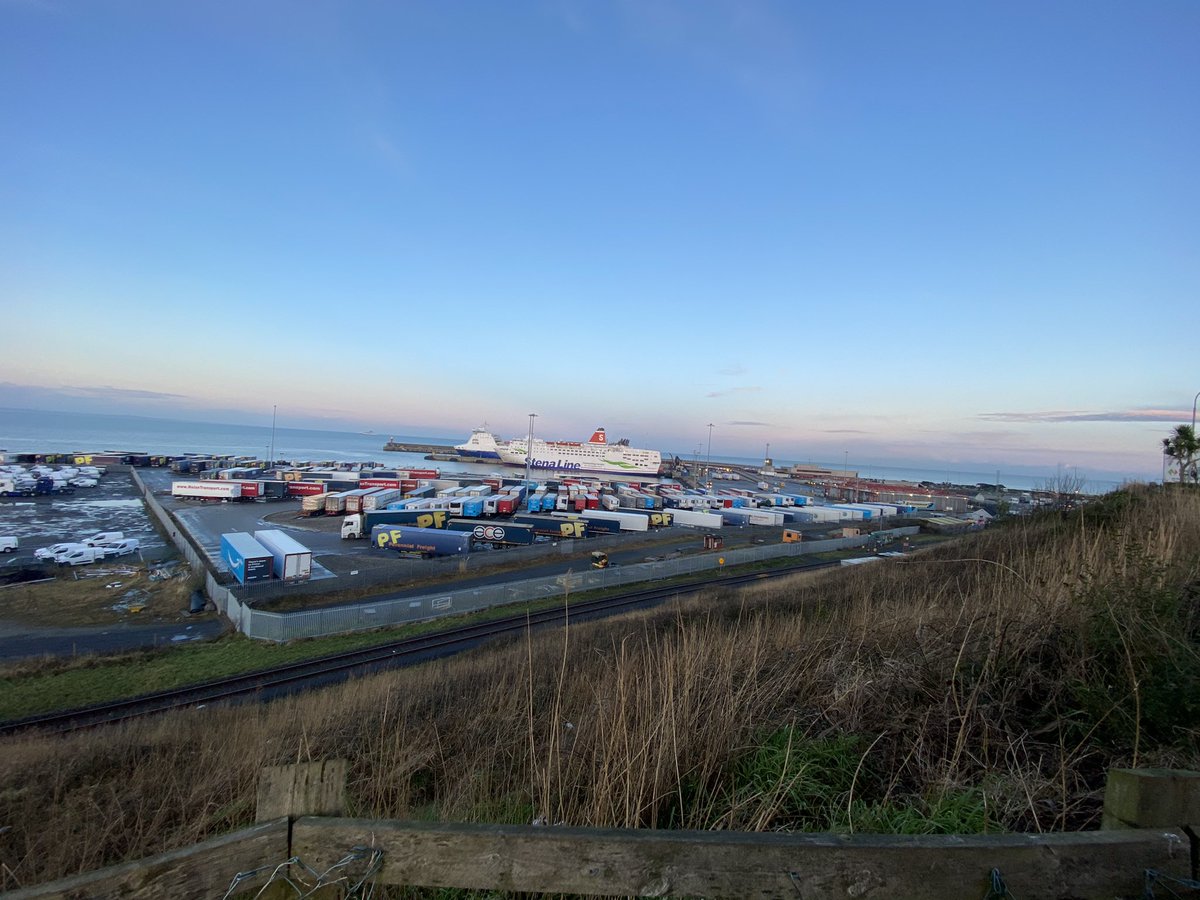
361 525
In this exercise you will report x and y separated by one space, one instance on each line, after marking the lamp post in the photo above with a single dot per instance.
529 445
1194 399
271 461
708 464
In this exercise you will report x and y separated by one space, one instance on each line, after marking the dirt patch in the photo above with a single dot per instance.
100 595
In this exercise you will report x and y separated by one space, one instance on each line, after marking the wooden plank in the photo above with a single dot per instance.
203 870
1151 798
302 789
1100 864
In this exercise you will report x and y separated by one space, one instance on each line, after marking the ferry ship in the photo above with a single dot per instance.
594 455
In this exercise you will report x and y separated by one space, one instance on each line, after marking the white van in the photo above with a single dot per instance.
120 548
53 551
81 556
8 545
103 537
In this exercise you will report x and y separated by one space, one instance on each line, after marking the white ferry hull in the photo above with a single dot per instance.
565 457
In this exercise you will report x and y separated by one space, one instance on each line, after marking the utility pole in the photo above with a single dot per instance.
708 465
529 446
271 461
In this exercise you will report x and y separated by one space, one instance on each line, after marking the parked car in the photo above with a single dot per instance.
81 556
120 548
103 537
50 553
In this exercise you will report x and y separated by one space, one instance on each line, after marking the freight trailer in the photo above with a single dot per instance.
696 518
485 532
211 489
246 558
360 525
306 488
423 542
291 560
313 504
380 498
626 521
658 518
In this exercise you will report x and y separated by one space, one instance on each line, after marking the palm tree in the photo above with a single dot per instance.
1183 446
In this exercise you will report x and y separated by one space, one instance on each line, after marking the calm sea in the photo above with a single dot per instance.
49 432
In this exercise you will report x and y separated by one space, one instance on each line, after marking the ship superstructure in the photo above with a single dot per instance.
593 455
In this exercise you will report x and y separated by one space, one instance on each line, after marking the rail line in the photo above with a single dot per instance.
270 683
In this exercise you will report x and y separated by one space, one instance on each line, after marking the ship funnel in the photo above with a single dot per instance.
598 437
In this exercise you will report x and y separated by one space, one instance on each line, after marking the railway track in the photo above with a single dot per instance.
270 683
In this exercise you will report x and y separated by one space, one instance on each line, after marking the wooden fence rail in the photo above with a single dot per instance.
1151 817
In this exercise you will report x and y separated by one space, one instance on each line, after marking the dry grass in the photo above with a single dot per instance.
82 597
1014 667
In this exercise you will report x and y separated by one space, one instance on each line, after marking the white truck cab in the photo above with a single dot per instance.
8 544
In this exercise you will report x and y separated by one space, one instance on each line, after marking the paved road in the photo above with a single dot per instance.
19 641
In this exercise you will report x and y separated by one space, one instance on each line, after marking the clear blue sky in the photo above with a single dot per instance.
956 232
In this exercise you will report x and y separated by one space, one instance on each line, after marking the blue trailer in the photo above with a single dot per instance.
484 531
246 558
423 542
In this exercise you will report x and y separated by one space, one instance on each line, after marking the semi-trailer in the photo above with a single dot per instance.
335 503
485 532
655 518
696 518
360 525
423 542
627 521
209 489
291 560
246 558
313 504
305 488
561 525
380 498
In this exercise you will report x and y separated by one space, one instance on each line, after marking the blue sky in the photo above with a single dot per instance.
945 232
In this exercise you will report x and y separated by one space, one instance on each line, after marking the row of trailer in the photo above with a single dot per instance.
264 555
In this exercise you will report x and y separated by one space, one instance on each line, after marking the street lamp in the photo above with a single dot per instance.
1194 399
529 446
708 464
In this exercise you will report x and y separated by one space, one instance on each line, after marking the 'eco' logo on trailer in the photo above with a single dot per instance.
488 532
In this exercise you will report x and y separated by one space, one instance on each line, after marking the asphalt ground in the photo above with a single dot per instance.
114 504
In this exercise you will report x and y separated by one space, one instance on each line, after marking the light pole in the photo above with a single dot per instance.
1194 399
708 464
271 461
845 471
529 445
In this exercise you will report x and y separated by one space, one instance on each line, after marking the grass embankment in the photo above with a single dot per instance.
47 684
983 685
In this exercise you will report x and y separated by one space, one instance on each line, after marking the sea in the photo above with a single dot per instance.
41 431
